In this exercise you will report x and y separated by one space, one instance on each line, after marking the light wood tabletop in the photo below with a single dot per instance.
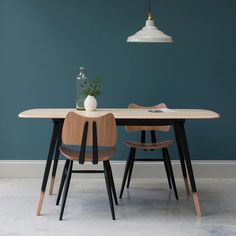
122 113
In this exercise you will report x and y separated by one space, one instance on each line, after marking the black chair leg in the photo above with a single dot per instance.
167 171
66 188
108 185
126 172
167 157
112 183
63 177
131 167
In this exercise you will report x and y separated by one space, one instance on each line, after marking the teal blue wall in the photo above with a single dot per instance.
44 42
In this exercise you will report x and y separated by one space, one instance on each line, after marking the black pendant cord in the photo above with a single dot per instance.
149 10
149 6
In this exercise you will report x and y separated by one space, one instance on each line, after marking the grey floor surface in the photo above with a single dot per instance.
148 208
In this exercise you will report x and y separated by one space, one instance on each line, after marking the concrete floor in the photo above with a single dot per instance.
148 208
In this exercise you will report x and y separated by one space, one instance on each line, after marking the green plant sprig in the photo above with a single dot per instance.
93 88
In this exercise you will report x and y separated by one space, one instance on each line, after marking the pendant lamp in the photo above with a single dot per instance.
149 33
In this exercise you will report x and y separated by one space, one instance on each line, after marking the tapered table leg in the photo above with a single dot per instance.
48 165
56 158
183 146
181 156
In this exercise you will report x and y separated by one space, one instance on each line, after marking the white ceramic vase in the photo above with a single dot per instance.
90 103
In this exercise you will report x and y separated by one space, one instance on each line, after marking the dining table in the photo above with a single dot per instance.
124 116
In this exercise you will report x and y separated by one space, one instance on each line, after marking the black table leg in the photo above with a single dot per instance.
183 146
56 158
182 157
55 131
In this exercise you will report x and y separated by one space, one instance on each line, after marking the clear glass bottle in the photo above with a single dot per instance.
81 82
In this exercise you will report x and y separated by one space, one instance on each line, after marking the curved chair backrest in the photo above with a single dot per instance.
147 128
103 127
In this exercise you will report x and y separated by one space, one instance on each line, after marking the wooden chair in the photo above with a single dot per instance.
99 132
144 146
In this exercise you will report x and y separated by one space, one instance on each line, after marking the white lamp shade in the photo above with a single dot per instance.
149 34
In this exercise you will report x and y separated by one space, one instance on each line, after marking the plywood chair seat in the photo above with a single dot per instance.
148 146
73 155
